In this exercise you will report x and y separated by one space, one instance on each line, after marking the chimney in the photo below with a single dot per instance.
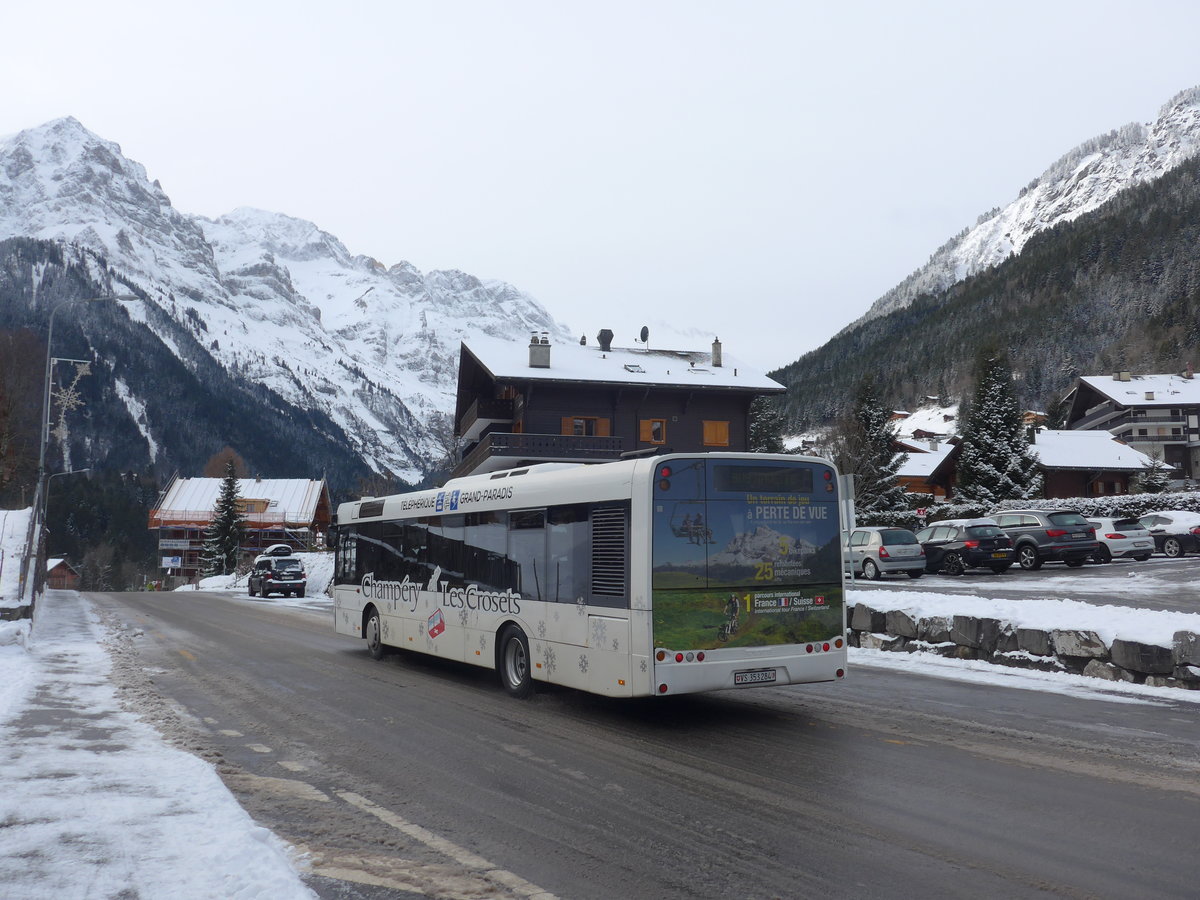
933 443
605 338
716 359
539 352
1188 373
1125 376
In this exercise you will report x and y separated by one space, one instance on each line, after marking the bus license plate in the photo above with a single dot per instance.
757 676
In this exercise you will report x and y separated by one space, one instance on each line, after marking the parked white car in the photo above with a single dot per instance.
1121 538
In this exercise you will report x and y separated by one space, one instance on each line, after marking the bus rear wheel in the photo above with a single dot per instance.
515 673
373 632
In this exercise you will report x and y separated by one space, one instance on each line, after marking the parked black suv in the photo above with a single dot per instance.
283 574
1048 535
959 544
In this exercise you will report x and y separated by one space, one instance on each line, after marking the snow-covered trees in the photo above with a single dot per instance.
994 461
766 426
864 446
1155 478
228 528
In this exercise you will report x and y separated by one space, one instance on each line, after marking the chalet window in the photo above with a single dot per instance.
586 426
716 434
652 431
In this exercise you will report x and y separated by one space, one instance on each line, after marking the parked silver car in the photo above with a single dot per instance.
1121 538
876 551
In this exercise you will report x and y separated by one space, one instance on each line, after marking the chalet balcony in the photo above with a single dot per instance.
483 413
501 450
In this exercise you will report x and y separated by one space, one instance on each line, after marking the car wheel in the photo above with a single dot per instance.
1075 563
250 588
1143 557
1000 570
1102 554
373 632
915 573
515 674
1029 558
1172 547
952 564
870 570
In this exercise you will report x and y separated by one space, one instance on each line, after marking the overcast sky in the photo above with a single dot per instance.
758 171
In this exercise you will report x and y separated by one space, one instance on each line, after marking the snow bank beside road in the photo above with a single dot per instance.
1146 626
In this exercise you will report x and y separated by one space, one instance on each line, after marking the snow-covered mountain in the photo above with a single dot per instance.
274 300
1079 182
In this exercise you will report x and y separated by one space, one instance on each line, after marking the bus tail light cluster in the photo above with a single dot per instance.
679 655
824 647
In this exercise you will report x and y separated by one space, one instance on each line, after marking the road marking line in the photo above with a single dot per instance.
229 732
293 766
258 748
460 855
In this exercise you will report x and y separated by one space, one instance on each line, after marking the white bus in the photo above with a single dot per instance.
656 576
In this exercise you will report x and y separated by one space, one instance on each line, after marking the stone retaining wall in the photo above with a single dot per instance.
1057 650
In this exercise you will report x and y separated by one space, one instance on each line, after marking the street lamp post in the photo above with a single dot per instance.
42 480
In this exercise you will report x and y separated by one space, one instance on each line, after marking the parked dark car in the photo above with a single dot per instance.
277 574
956 545
1175 532
1048 535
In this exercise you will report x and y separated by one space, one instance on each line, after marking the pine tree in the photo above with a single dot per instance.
766 426
227 531
1155 478
865 447
994 461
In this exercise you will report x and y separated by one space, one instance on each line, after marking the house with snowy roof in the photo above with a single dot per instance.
929 467
61 575
1085 463
519 404
1154 413
292 511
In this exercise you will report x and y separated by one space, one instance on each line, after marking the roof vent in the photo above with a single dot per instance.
605 338
1125 376
1149 395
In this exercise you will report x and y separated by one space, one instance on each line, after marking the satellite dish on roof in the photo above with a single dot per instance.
644 335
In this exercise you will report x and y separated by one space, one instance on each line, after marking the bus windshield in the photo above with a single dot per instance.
745 554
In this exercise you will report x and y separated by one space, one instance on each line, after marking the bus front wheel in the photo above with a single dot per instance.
515 674
373 632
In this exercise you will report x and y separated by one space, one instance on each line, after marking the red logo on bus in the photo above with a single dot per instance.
437 624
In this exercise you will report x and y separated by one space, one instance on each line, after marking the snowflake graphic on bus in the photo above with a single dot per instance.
744 568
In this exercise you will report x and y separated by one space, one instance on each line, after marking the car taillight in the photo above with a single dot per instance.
1056 532
1115 537
971 544
1196 530
883 554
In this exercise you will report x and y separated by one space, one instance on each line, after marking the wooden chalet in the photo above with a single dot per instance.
519 404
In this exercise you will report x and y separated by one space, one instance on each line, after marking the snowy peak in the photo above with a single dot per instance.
1079 182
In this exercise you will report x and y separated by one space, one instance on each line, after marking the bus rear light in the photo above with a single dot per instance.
678 657
690 656
838 643
664 485
662 688
825 647
661 655
700 656
808 649
841 673
664 472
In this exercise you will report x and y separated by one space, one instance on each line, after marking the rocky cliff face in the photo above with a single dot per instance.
1079 182
274 300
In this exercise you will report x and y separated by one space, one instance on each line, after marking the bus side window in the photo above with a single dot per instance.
526 548
568 558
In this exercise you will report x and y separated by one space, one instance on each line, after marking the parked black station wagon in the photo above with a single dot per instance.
956 545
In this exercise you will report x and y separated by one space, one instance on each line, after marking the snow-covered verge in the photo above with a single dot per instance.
1149 648
14 530
93 803
318 567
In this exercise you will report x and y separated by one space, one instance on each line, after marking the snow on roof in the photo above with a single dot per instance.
620 365
1097 450
922 463
288 499
1167 390
934 419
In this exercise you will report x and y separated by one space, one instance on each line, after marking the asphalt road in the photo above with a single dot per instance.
418 777
1157 583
